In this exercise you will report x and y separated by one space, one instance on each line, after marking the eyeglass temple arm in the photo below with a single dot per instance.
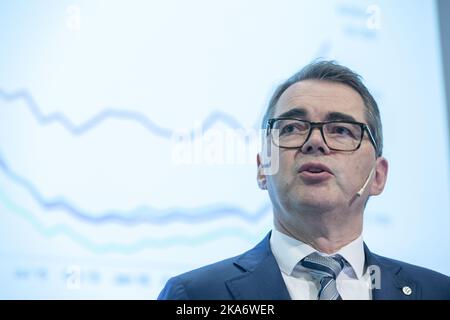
372 139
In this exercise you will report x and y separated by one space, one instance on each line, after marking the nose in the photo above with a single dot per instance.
315 143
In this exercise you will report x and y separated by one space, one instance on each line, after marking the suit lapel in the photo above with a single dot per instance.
388 279
262 279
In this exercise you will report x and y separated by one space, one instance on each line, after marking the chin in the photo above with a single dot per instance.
316 200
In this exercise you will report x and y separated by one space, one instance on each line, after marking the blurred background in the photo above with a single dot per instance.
127 133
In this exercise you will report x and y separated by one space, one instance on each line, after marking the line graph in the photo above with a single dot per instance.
139 215
214 117
104 248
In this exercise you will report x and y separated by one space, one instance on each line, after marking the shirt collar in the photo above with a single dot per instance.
289 251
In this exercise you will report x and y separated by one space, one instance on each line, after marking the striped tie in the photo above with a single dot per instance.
326 269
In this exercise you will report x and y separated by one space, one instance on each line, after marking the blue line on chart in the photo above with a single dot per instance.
139 215
130 248
106 114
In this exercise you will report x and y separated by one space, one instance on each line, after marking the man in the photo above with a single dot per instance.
327 128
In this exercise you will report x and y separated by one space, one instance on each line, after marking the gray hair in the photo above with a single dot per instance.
332 71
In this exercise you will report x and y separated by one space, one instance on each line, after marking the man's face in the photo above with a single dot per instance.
294 190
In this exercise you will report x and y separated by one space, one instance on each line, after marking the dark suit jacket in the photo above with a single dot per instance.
255 275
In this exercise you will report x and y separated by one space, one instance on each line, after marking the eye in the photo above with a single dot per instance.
293 127
343 130
288 129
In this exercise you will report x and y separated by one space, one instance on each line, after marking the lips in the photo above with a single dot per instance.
314 173
314 168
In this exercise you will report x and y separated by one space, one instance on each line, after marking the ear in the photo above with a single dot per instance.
260 177
379 181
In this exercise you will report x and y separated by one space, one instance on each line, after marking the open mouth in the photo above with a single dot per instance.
314 168
314 172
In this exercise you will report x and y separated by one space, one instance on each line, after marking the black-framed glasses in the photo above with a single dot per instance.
338 135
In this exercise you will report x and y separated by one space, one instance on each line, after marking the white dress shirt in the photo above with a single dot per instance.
353 283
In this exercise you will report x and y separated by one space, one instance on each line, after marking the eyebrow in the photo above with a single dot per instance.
339 116
296 113
303 113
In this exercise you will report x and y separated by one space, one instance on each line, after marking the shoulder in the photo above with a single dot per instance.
210 282
433 285
207 281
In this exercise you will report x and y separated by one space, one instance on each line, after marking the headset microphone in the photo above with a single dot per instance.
361 191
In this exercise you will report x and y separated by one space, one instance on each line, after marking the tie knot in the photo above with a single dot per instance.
324 266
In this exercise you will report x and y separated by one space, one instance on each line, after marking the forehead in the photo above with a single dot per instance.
319 98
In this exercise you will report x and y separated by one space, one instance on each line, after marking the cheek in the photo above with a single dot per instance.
286 170
285 175
353 173
281 180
